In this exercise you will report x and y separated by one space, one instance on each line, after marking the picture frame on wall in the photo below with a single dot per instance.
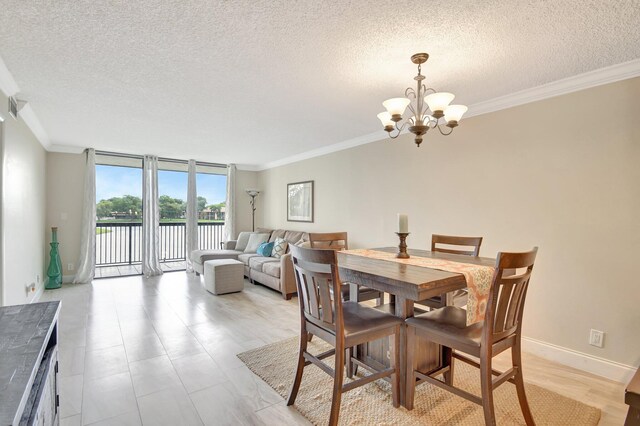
300 201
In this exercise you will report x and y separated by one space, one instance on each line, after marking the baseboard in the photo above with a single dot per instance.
67 279
591 364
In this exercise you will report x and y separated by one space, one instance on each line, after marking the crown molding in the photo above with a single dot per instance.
66 149
575 83
349 143
565 86
7 84
9 87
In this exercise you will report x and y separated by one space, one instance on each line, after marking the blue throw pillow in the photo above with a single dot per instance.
265 249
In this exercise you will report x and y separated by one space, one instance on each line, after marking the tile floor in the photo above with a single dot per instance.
162 351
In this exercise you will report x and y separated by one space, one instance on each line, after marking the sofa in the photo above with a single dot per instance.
268 271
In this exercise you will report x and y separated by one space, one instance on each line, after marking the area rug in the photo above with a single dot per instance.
371 403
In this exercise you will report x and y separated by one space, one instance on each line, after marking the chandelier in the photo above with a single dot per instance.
438 114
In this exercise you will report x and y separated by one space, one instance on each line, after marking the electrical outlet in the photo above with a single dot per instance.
38 278
70 267
596 338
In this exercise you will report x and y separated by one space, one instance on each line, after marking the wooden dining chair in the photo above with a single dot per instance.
339 241
341 324
467 246
500 330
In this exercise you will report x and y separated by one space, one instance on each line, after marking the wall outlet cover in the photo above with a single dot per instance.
596 338
70 267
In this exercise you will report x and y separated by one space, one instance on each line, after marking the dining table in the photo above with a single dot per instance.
407 284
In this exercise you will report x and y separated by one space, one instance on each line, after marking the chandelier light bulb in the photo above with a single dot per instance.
454 113
438 102
386 120
396 106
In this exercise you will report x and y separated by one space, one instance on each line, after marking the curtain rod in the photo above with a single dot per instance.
168 160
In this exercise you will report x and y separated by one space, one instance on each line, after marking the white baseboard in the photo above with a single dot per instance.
591 364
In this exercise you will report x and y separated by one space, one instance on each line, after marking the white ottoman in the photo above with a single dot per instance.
223 276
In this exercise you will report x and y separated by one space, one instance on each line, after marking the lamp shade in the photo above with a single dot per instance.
385 118
396 106
439 101
454 113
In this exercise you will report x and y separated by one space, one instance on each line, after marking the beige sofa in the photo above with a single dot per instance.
269 271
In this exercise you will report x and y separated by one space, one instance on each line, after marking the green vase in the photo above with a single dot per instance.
54 272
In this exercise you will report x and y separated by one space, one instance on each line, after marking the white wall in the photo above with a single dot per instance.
23 210
562 174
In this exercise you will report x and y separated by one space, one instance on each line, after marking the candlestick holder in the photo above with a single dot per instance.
402 248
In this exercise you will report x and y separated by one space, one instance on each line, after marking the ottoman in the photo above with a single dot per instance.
223 276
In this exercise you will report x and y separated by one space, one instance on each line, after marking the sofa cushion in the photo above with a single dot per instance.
243 240
254 242
257 263
293 237
201 256
278 233
271 268
245 257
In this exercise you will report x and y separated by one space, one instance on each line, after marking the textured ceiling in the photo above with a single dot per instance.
255 81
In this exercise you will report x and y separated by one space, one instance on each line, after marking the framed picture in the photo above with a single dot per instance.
300 201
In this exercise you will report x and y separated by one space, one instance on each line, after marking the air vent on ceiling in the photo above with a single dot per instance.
13 107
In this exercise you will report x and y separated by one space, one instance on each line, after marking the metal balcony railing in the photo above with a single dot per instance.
120 243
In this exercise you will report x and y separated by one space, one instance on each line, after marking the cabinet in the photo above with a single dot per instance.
29 365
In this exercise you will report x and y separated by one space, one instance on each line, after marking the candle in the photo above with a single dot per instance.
403 224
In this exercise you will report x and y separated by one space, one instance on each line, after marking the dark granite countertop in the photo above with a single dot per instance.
24 333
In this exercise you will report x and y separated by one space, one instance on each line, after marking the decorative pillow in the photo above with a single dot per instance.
304 244
254 242
243 239
279 248
265 249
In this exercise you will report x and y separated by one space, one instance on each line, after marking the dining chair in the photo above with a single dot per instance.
444 244
501 329
341 324
339 241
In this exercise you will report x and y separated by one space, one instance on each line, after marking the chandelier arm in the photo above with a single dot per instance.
412 109
443 133
410 92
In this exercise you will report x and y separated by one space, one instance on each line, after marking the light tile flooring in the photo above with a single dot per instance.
163 351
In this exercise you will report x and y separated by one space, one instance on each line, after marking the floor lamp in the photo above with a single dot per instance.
253 193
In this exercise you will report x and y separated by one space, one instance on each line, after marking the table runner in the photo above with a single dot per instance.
478 277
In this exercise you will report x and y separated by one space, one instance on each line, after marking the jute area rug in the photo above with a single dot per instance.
371 403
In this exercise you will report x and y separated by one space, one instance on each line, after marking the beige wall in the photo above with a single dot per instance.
23 210
561 174
65 182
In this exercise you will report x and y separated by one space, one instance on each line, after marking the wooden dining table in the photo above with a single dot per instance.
407 284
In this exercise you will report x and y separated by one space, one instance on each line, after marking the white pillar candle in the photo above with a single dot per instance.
403 224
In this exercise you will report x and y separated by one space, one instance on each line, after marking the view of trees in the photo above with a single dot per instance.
130 207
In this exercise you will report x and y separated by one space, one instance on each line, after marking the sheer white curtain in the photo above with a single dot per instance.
87 261
150 218
192 214
229 232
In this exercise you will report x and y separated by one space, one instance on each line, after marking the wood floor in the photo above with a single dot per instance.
162 351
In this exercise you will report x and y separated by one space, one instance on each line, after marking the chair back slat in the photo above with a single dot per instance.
451 240
329 240
318 285
508 293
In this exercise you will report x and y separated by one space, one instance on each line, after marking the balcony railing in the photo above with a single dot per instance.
120 243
